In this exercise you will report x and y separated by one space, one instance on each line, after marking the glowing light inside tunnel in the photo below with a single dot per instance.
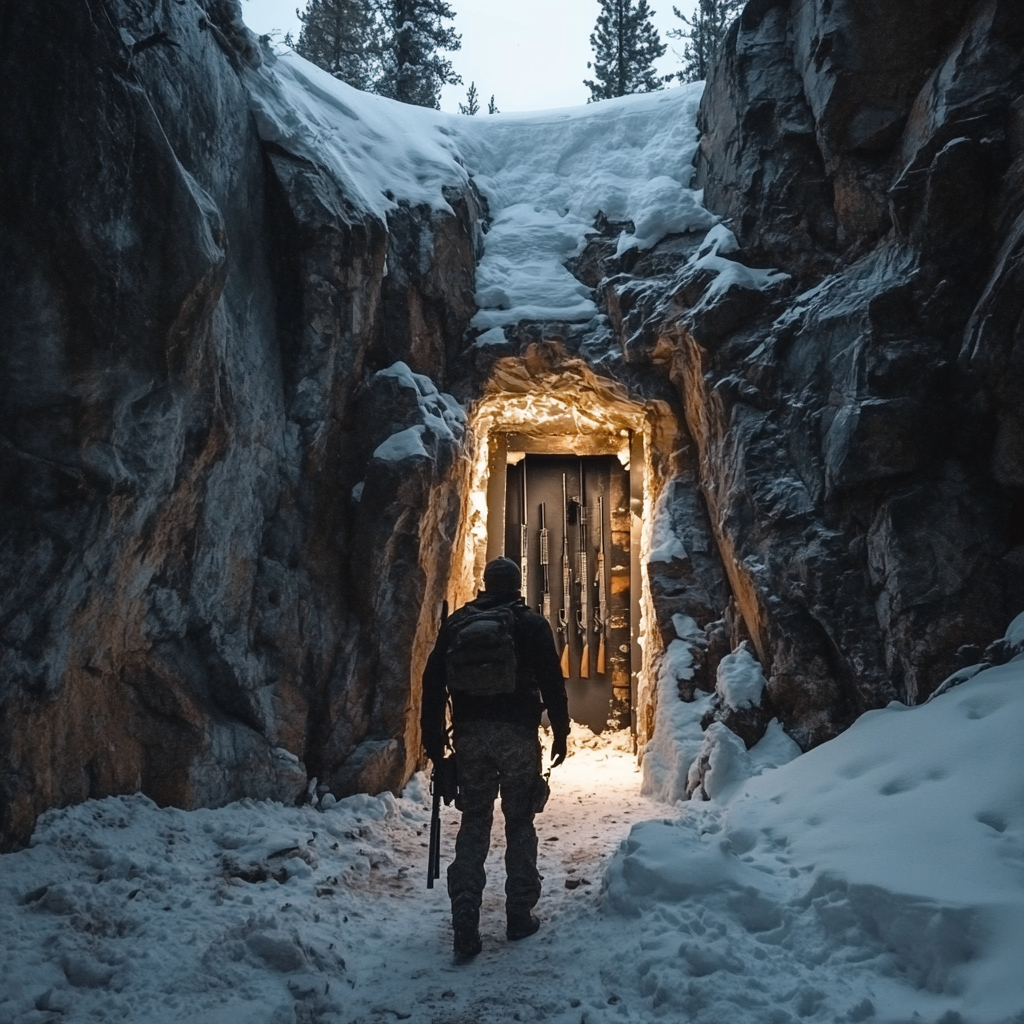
585 412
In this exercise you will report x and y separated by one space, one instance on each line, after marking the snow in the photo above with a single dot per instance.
121 910
677 738
442 419
665 542
545 176
406 444
1015 632
740 681
877 877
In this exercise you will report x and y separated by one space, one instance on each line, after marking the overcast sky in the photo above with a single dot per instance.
530 54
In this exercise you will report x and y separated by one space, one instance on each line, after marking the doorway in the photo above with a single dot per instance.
565 520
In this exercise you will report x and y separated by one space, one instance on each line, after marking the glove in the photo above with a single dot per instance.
446 778
559 749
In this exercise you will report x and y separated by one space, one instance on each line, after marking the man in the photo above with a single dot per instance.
496 659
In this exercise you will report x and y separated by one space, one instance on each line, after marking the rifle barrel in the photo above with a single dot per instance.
564 611
434 851
524 541
583 613
601 617
545 560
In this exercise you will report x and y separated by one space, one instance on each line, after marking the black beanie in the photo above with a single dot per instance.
502 576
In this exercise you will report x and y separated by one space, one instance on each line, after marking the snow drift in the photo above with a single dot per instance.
876 877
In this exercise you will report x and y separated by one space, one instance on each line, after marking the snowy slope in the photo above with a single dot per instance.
545 176
879 877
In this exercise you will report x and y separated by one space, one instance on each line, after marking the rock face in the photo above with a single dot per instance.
859 434
229 481
191 323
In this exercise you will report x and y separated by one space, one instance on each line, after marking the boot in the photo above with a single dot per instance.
466 925
520 922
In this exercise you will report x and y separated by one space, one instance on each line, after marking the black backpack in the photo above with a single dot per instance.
481 652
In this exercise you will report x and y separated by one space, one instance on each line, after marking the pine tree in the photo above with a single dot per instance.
492 107
337 35
626 44
472 104
704 33
411 37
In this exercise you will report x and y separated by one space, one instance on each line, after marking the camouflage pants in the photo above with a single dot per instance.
493 757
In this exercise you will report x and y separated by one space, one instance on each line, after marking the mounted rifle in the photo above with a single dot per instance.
545 559
601 618
583 611
563 612
524 540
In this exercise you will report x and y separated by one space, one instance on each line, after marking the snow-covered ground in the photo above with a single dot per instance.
878 878
123 911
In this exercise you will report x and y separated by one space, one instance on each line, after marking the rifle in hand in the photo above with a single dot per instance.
563 612
444 784
434 851
583 611
601 618
545 559
436 788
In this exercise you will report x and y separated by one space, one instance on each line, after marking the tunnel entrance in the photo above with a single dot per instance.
542 418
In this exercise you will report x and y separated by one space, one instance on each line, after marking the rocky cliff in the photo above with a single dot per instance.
229 480
193 603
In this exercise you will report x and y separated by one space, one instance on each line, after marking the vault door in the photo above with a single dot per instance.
592 635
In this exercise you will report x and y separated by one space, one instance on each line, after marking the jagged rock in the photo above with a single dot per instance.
816 418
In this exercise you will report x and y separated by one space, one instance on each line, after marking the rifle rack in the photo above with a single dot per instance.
607 468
